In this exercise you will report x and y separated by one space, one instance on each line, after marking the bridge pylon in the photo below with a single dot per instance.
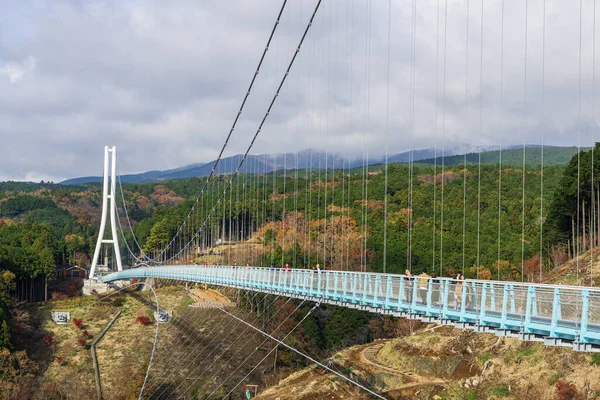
108 193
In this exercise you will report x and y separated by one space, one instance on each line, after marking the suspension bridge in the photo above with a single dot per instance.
557 315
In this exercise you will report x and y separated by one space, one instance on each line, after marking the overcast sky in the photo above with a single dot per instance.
164 80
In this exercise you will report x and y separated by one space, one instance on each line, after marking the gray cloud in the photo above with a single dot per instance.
163 80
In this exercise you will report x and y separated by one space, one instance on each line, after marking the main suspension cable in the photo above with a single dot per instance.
235 121
245 156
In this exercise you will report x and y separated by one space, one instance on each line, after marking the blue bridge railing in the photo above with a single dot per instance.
557 315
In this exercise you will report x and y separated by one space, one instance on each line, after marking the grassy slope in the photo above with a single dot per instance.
199 351
129 342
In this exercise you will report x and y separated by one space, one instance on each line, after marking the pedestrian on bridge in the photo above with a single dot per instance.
409 285
423 285
458 290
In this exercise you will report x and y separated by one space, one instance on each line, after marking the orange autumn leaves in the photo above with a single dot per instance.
337 242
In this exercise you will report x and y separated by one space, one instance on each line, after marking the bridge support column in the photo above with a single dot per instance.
106 195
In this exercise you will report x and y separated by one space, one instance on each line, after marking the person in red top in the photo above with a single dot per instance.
286 267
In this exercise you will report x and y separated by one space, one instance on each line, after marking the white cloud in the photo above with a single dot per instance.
164 80
15 71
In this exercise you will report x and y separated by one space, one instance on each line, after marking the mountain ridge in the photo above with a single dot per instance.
317 159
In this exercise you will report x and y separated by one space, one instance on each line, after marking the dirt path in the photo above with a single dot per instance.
369 356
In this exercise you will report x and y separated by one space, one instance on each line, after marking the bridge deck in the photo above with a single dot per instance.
558 315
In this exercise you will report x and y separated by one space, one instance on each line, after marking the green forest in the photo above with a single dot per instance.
341 211
423 227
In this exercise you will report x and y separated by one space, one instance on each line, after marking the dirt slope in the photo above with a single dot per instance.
568 273
447 363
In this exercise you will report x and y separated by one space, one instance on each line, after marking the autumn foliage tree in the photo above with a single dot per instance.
333 242
481 272
532 267
508 271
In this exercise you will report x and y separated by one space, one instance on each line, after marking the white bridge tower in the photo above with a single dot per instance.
106 195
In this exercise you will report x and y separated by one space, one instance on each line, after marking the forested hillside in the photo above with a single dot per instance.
472 219
513 157
574 215
335 218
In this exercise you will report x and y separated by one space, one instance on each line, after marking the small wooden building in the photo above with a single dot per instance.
64 272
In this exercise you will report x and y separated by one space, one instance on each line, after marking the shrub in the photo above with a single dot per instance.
81 341
552 379
58 296
115 301
433 340
566 390
500 391
85 333
144 320
78 322
485 357
73 291
49 339
471 395
595 359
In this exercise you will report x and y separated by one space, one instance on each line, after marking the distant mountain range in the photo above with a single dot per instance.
316 159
